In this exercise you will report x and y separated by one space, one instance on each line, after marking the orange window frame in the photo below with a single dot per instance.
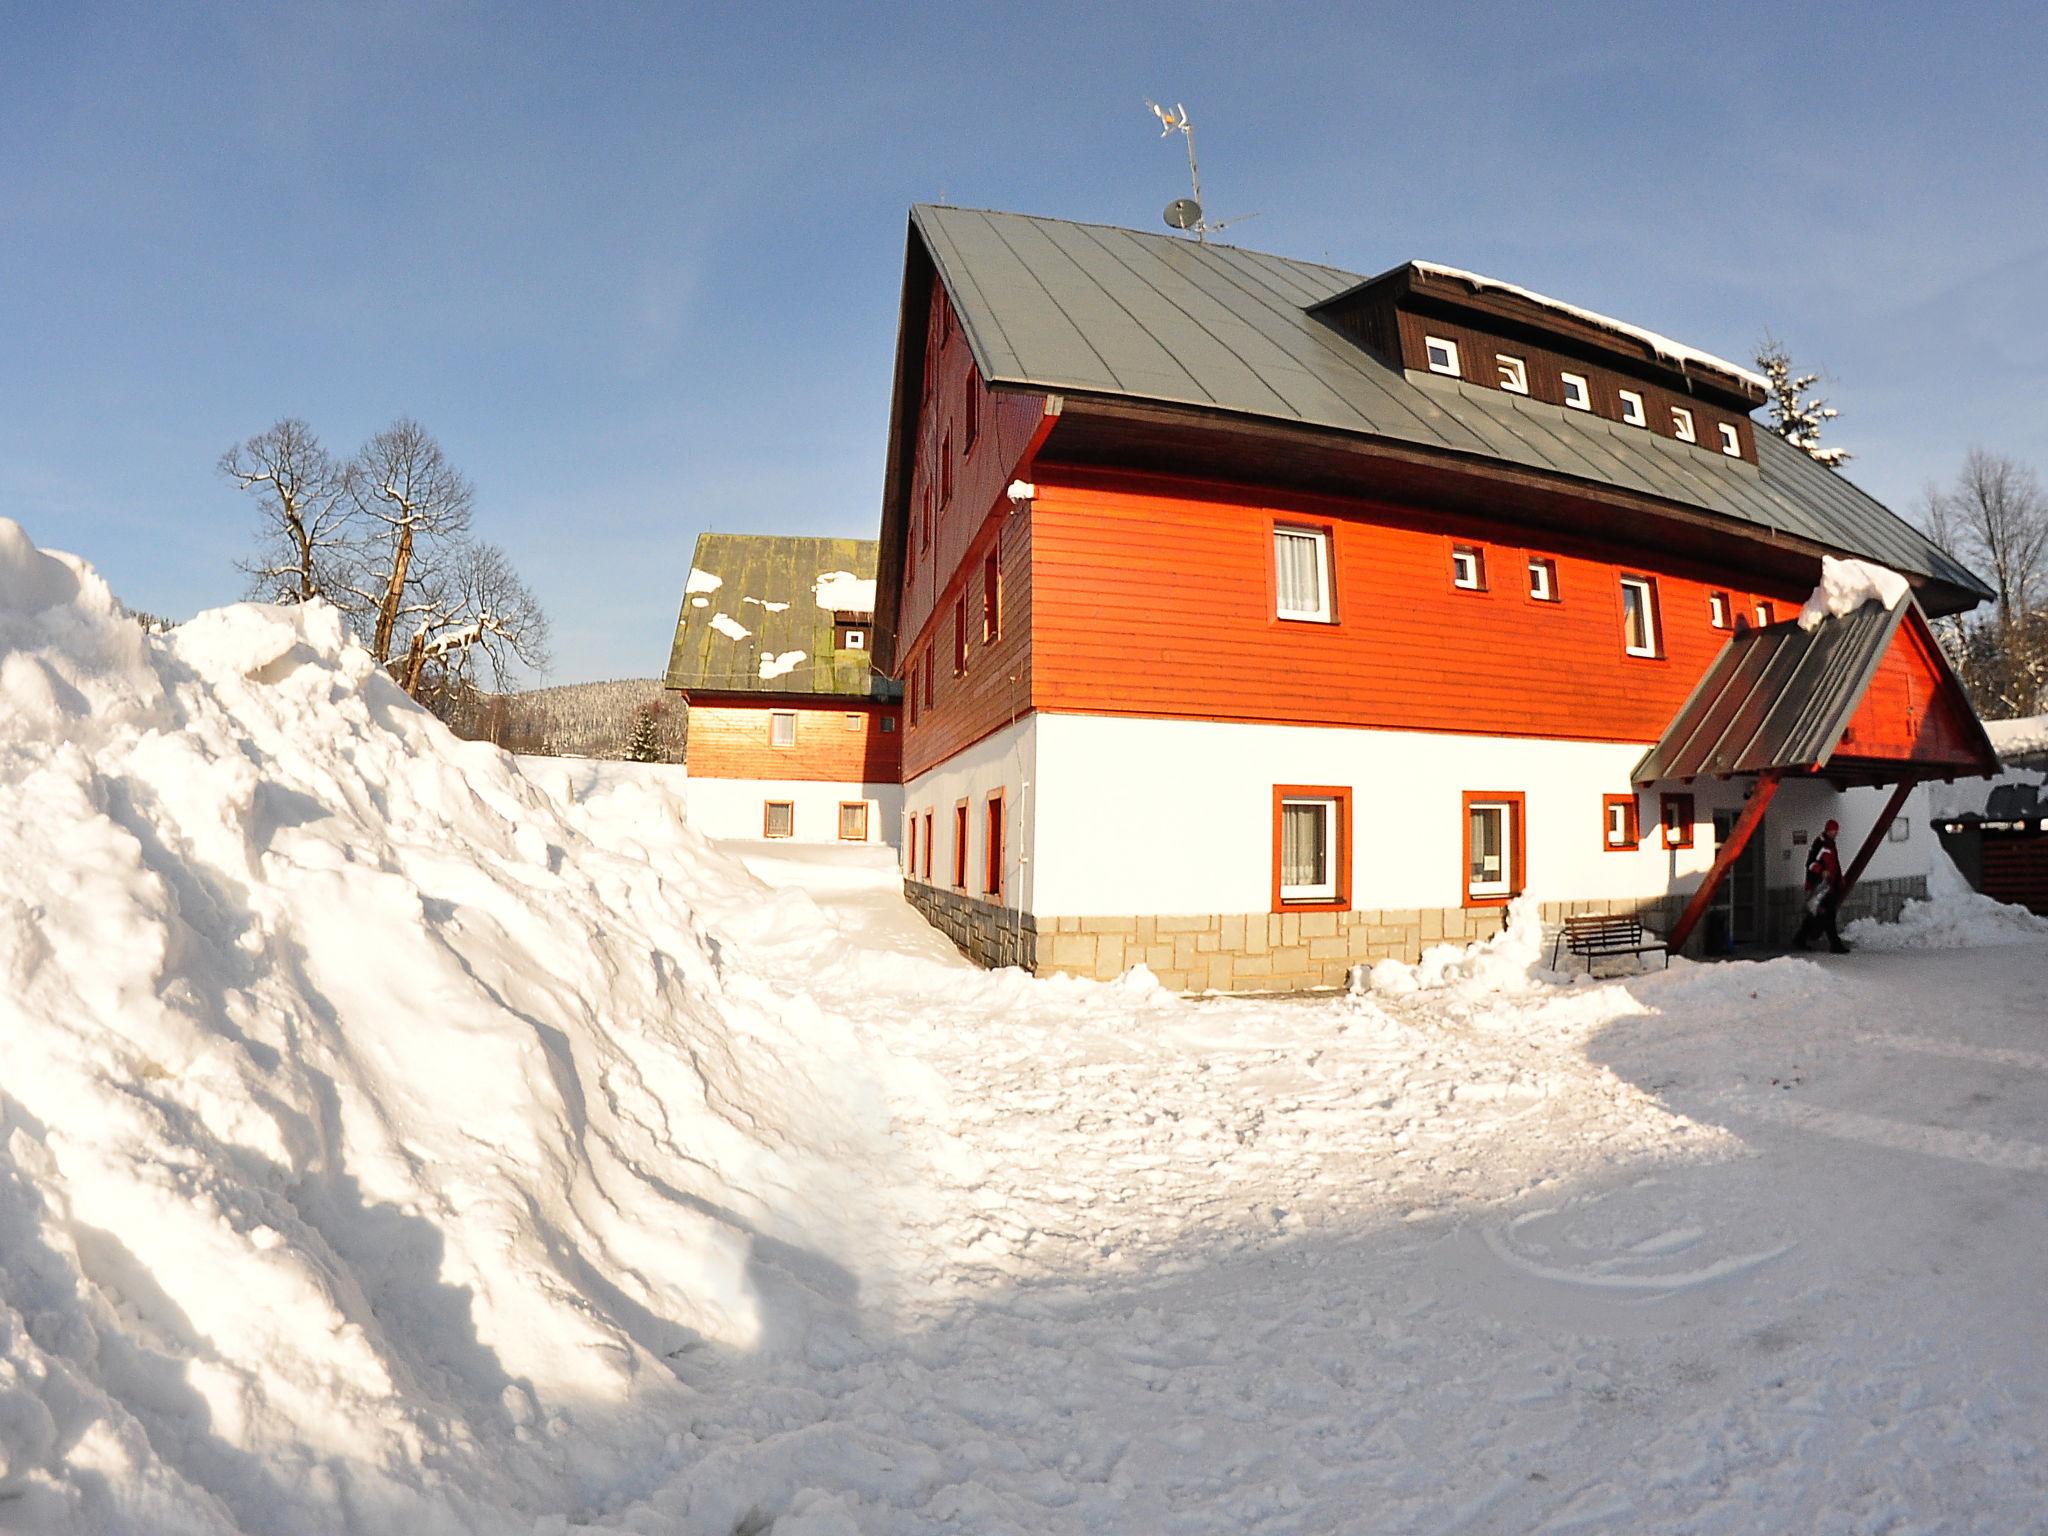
910 845
994 829
1682 822
959 845
1340 852
1517 849
1632 830
927 847
768 810
853 805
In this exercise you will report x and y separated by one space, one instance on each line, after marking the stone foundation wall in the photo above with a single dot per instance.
1300 951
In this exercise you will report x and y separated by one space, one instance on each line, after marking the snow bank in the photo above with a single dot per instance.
1503 963
1846 585
1953 917
374 1140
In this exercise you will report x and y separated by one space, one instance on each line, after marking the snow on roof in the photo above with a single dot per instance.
2011 737
729 626
1671 351
777 666
703 581
772 607
842 590
1846 585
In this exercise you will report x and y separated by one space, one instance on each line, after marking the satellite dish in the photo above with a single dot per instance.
1183 213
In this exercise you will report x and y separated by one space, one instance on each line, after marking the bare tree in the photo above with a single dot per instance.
1994 518
1794 416
304 547
470 610
415 508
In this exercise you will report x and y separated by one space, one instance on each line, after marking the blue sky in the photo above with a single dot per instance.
637 265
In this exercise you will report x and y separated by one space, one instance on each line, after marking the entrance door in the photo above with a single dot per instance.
1740 901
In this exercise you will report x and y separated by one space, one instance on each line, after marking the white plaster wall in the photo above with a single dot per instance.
1007 761
1172 816
732 807
1806 806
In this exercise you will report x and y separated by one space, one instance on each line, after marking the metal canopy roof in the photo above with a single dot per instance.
1091 309
767 593
1780 698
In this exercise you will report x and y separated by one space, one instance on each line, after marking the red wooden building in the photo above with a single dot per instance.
1255 619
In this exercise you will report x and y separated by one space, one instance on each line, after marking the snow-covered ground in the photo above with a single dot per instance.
398 1137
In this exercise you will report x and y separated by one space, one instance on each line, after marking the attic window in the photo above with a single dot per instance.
1731 441
1576 394
1468 568
1542 579
1681 425
1632 410
1514 373
850 632
1717 609
1443 356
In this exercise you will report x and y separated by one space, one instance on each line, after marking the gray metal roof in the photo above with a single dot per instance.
753 605
1092 309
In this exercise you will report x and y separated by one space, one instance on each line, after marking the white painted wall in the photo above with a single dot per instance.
1171 816
732 807
1007 761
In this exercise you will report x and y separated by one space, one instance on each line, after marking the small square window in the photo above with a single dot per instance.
1677 818
1901 829
1717 609
1443 355
888 725
853 821
1639 616
1542 579
1468 568
1632 410
1301 571
1576 393
1514 373
1731 441
1618 832
1681 425
1766 614
782 728
853 722
778 818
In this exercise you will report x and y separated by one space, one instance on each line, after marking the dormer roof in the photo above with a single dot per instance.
1086 310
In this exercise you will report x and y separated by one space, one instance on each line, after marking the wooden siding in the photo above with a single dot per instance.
1911 711
1476 351
996 687
730 740
1151 598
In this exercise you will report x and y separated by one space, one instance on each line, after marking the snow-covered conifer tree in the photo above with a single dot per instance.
1795 416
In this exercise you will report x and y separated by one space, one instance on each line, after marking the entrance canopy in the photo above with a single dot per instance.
1866 698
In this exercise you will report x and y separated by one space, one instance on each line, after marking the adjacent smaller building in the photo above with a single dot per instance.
793 734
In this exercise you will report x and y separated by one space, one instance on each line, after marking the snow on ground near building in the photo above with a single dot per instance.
397 1137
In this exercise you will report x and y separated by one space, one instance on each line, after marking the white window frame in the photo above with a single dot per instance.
1323 612
1542 576
856 640
1430 347
778 719
1632 409
1467 560
1720 611
1584 402
1648 590
854 721
1731 441
1514 373
1682 425
1326 888
1479 890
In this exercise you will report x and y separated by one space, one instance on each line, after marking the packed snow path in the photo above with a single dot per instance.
1743 1248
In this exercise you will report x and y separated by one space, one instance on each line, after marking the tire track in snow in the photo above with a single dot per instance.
1899 1135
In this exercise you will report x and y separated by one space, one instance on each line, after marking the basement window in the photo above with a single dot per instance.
1632 410
1514 373
1731 441
1681 425
1442 355
1577 394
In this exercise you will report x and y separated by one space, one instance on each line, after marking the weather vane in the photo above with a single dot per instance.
1185 213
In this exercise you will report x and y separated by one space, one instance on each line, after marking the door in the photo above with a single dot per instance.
1740 901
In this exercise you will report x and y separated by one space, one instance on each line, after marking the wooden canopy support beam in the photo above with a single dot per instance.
1878 829
1738 839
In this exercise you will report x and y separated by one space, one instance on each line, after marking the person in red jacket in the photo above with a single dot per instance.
1823 892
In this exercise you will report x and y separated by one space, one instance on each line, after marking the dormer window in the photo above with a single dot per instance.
1731 441
1632 410
1681 425
1442 355
1576 393
850 631
1514 373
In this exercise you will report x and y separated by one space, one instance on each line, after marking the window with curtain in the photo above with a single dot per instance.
1308 841
1301 570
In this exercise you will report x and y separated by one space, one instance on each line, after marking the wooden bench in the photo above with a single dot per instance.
1593 938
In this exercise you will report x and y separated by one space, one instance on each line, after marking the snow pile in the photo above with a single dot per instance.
1846 585
374 1143
1953 917
1504 963
844 591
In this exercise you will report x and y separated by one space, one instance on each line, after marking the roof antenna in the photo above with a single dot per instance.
1185 213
